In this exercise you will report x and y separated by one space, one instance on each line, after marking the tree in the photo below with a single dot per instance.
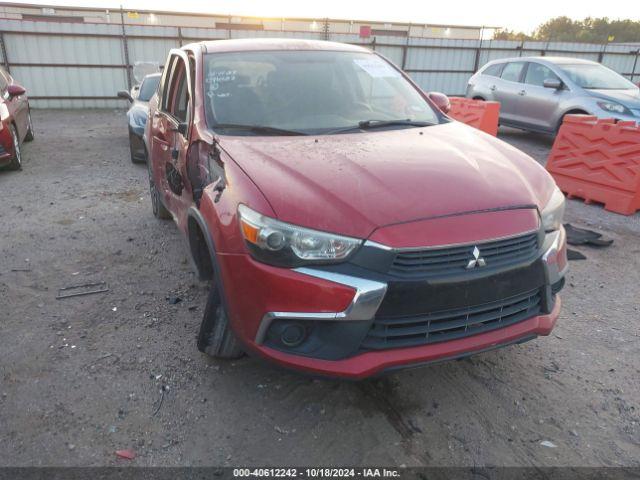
506 34
591 30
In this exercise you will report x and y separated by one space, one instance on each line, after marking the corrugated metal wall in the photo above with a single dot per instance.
81 65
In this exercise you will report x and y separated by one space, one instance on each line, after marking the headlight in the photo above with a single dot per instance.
553 213
285 245
613 107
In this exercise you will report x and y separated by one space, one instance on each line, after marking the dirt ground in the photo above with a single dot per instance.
83 377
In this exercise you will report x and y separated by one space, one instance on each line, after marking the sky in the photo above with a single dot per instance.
514 15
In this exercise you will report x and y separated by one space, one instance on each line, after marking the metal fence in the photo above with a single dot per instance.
82 65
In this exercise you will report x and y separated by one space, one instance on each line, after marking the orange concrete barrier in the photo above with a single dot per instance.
476 113
598 160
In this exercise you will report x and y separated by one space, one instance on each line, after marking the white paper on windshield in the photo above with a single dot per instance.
376 68
216 78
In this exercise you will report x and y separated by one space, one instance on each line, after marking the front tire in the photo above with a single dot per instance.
216 338
158 208
16 161
135 159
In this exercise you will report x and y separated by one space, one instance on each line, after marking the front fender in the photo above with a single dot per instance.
219 205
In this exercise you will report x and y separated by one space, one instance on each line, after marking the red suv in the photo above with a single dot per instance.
347 226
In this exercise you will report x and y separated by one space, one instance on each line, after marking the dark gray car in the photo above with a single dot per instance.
138 113
535 93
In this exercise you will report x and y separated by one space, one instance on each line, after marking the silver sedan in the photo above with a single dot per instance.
535 93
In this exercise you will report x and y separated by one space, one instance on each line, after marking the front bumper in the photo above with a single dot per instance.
340 307
372 363
601 113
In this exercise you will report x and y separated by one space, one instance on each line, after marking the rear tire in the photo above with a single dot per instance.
30 135
216 338
16 161
158 208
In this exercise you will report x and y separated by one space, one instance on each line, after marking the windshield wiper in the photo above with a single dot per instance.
371 124
259 129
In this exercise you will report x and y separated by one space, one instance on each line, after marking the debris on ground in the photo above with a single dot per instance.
575 255
80 290
582 236
163 389
548 444
174 300
127 454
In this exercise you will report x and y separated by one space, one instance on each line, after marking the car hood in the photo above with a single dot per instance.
354 183
139 107
137 113
629 98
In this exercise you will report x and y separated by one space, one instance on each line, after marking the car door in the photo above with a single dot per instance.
506 90
539 103
170 136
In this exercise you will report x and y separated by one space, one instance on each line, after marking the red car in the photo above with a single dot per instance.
348 227
15 121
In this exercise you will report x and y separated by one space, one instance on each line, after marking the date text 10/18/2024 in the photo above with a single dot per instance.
316 472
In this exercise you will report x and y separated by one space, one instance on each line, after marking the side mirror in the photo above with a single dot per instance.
126 95
552 83
441 101
15 90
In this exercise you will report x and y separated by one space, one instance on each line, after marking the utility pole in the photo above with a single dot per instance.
125 46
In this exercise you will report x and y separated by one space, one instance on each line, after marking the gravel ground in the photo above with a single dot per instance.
83 377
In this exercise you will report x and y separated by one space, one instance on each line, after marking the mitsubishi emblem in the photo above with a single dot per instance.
477 260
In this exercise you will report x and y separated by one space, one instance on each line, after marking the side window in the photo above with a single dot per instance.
175 94
493 70
180 104
165 83
537 74
512 71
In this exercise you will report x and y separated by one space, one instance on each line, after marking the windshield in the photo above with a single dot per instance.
148 88
308 91
596 77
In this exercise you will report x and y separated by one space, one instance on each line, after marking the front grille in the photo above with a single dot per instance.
444 325
451 260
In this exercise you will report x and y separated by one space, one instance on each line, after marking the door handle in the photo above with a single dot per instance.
522 93
492 88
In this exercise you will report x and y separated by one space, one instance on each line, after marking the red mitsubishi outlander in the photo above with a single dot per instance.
348 227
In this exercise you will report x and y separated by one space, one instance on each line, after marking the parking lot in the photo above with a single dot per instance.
83 377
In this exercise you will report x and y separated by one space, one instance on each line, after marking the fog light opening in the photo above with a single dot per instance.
293 335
